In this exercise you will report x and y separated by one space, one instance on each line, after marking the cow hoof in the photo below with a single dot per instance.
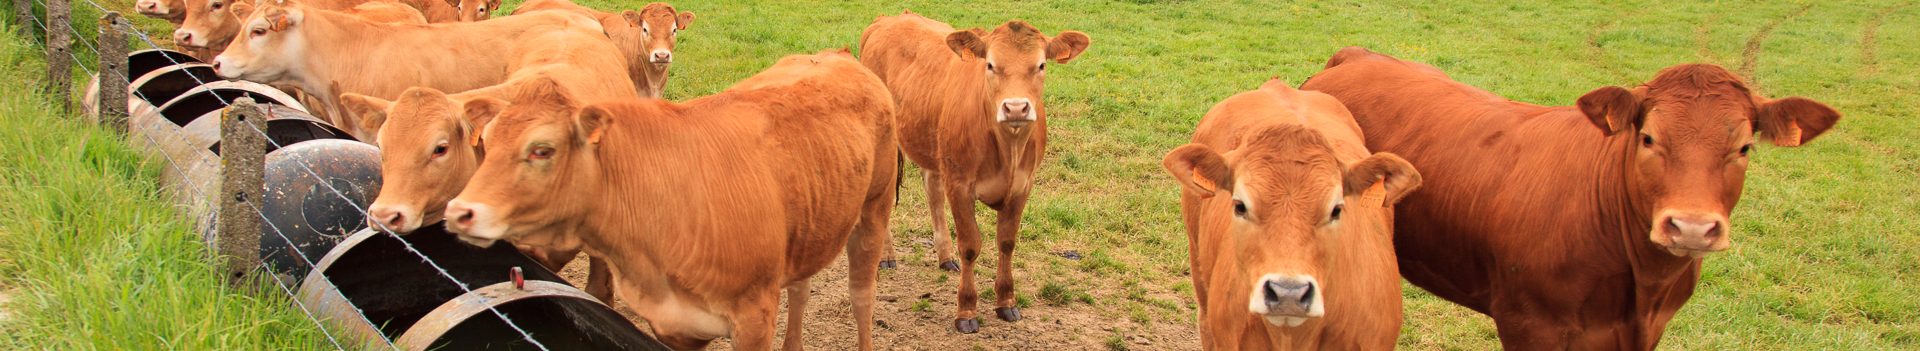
1010 314
950 266
966 326
888 264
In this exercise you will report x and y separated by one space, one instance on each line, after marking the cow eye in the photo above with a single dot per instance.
1043 67
1239 208
1337 209
540 153
989 67
1646 140
1744 149
439 150
215 5
259 31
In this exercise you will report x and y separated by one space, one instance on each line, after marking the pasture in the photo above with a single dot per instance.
1825 255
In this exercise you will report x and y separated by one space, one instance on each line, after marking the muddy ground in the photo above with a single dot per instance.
1075 326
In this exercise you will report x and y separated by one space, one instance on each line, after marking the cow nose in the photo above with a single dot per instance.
1694 231
182 37
662 56
1017 109
148 6
459 217
1289 296
385 218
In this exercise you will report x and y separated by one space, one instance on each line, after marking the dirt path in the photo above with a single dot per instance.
905 327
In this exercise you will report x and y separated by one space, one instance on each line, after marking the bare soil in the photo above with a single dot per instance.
903 327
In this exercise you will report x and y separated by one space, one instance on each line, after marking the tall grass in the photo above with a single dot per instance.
92 254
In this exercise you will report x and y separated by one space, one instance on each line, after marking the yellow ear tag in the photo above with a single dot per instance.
1375 196
1205 183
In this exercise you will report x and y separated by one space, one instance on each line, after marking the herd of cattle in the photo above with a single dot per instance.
1577 227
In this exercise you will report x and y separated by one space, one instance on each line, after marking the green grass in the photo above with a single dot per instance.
92 254
1826 256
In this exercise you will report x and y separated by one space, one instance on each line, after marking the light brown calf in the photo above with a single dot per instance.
972 117
429 144
1298 254
708 208
328 53
645 38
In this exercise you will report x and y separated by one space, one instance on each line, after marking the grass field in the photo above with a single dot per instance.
1826 256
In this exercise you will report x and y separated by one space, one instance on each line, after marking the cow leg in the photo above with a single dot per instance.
937 203
1006 233
599 280
754 318
968 231
865 247
796 310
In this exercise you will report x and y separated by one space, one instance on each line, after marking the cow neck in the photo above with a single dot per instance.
1655 272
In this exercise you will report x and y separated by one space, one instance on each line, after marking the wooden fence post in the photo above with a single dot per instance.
113 71
243 154
23 16
59 53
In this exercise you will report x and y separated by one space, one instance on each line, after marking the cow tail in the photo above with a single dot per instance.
899 174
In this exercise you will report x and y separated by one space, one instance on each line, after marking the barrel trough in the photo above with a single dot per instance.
365 283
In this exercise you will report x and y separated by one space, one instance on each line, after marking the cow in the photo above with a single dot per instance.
972 117
429 144
207 26
706 209
645 37
1577 227
328 53
476 10
173 11
1298 254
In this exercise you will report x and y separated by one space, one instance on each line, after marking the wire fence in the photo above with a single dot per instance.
146 40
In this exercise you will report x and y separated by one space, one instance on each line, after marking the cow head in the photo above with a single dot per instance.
1286 193
476 10
428 149
170 10
659 25
1014 59
210 24
1692 128
541 161
270 44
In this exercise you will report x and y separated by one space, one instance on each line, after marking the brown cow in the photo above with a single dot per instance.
174 11
1299 255
429 145
1591 220
206 27
708 208
476 10
972 117
328 53
646 37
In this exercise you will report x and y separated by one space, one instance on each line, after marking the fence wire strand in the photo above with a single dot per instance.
175 165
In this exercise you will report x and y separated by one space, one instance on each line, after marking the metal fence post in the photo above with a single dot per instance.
113 71
243 152
59 53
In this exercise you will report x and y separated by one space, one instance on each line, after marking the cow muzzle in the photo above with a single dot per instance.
1287 300
150 8
473 223
660 57
1691 234
1015 112
395 219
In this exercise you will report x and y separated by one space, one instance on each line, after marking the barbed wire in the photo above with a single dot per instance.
148 40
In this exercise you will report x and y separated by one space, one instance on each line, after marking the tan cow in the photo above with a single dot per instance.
706 208
429 145
1299 253
329 53
206 27
645 38
972 117
476 10
174 11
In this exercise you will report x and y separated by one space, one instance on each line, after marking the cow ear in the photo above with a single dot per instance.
1390 171
479 112
592 123
1612 109
241 9
372 110
632 17
493 5
685 18
966 43
1198 169
1794 121
1067 46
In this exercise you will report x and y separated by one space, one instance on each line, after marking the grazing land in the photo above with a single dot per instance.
1825 256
